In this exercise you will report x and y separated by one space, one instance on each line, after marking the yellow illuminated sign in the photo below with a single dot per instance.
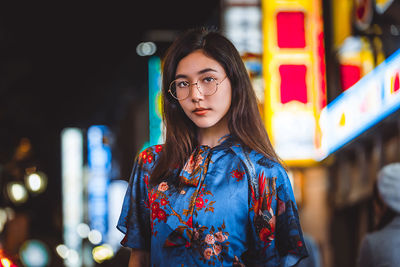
294 75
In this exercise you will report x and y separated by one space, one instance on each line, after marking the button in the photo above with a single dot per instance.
183 192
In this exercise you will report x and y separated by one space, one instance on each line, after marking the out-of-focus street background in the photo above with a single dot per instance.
80 97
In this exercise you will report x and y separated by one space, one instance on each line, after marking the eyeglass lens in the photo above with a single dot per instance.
180 89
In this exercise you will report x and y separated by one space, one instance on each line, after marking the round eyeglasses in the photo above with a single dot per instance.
180 88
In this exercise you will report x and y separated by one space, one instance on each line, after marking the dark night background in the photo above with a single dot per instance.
74 64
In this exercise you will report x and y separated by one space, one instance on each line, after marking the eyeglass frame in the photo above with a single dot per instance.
197 86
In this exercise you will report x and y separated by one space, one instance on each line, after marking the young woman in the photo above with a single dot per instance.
215 192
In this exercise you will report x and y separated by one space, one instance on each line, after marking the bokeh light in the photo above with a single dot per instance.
34 253
146 49
83 230
95 237
102 253
36 182
62 251
17 192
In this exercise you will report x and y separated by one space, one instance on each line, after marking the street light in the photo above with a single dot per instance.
36 182
17 192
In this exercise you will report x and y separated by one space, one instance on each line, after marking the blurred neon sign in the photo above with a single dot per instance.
363 105
99 160
294 78
155 117
72 190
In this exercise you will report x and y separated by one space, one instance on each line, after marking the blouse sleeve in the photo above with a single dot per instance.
134 220
275 232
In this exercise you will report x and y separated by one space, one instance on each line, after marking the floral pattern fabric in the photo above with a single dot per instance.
219 213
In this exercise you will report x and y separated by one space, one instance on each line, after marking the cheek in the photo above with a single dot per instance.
225 100
185 107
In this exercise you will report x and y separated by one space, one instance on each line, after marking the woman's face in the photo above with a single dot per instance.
206 111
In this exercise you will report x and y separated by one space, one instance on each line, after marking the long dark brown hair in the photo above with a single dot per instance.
244 120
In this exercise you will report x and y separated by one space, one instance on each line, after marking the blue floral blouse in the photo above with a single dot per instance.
231 207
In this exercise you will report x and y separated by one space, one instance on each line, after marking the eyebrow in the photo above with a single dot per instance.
199 72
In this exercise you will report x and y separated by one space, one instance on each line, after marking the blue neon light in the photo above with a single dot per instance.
155 117
387 103
99 160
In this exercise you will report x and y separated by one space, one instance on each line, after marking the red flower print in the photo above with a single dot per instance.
150 158
237 174
163 202
163 187
155 206
266 235
153 198
196 234
158 148
199 203
208 253
219 236
299 243
144 156
217 249
154 214
190 222
161 215
192 163
209 239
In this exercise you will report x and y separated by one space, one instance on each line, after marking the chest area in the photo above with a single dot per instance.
211 192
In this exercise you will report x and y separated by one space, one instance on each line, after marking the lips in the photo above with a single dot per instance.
201 111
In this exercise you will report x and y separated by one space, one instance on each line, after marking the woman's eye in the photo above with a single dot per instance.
182 84
208 79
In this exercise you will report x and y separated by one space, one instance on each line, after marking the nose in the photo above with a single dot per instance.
195 93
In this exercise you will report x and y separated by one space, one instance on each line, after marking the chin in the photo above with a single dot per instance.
204 124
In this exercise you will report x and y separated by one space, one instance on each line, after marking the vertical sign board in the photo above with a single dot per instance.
72 191
294 75
99 161
155 117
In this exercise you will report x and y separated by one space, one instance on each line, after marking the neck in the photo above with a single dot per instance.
212 136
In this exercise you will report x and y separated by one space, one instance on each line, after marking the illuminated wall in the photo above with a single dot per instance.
294 75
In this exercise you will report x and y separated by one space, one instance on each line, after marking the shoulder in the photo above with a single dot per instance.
269 167
144 164
260 162
388 232
262 166
149 155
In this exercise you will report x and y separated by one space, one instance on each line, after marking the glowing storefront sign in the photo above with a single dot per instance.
373 98
72 191
99 160
294 75
155 117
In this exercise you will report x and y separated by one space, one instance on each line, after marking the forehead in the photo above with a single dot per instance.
195 62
